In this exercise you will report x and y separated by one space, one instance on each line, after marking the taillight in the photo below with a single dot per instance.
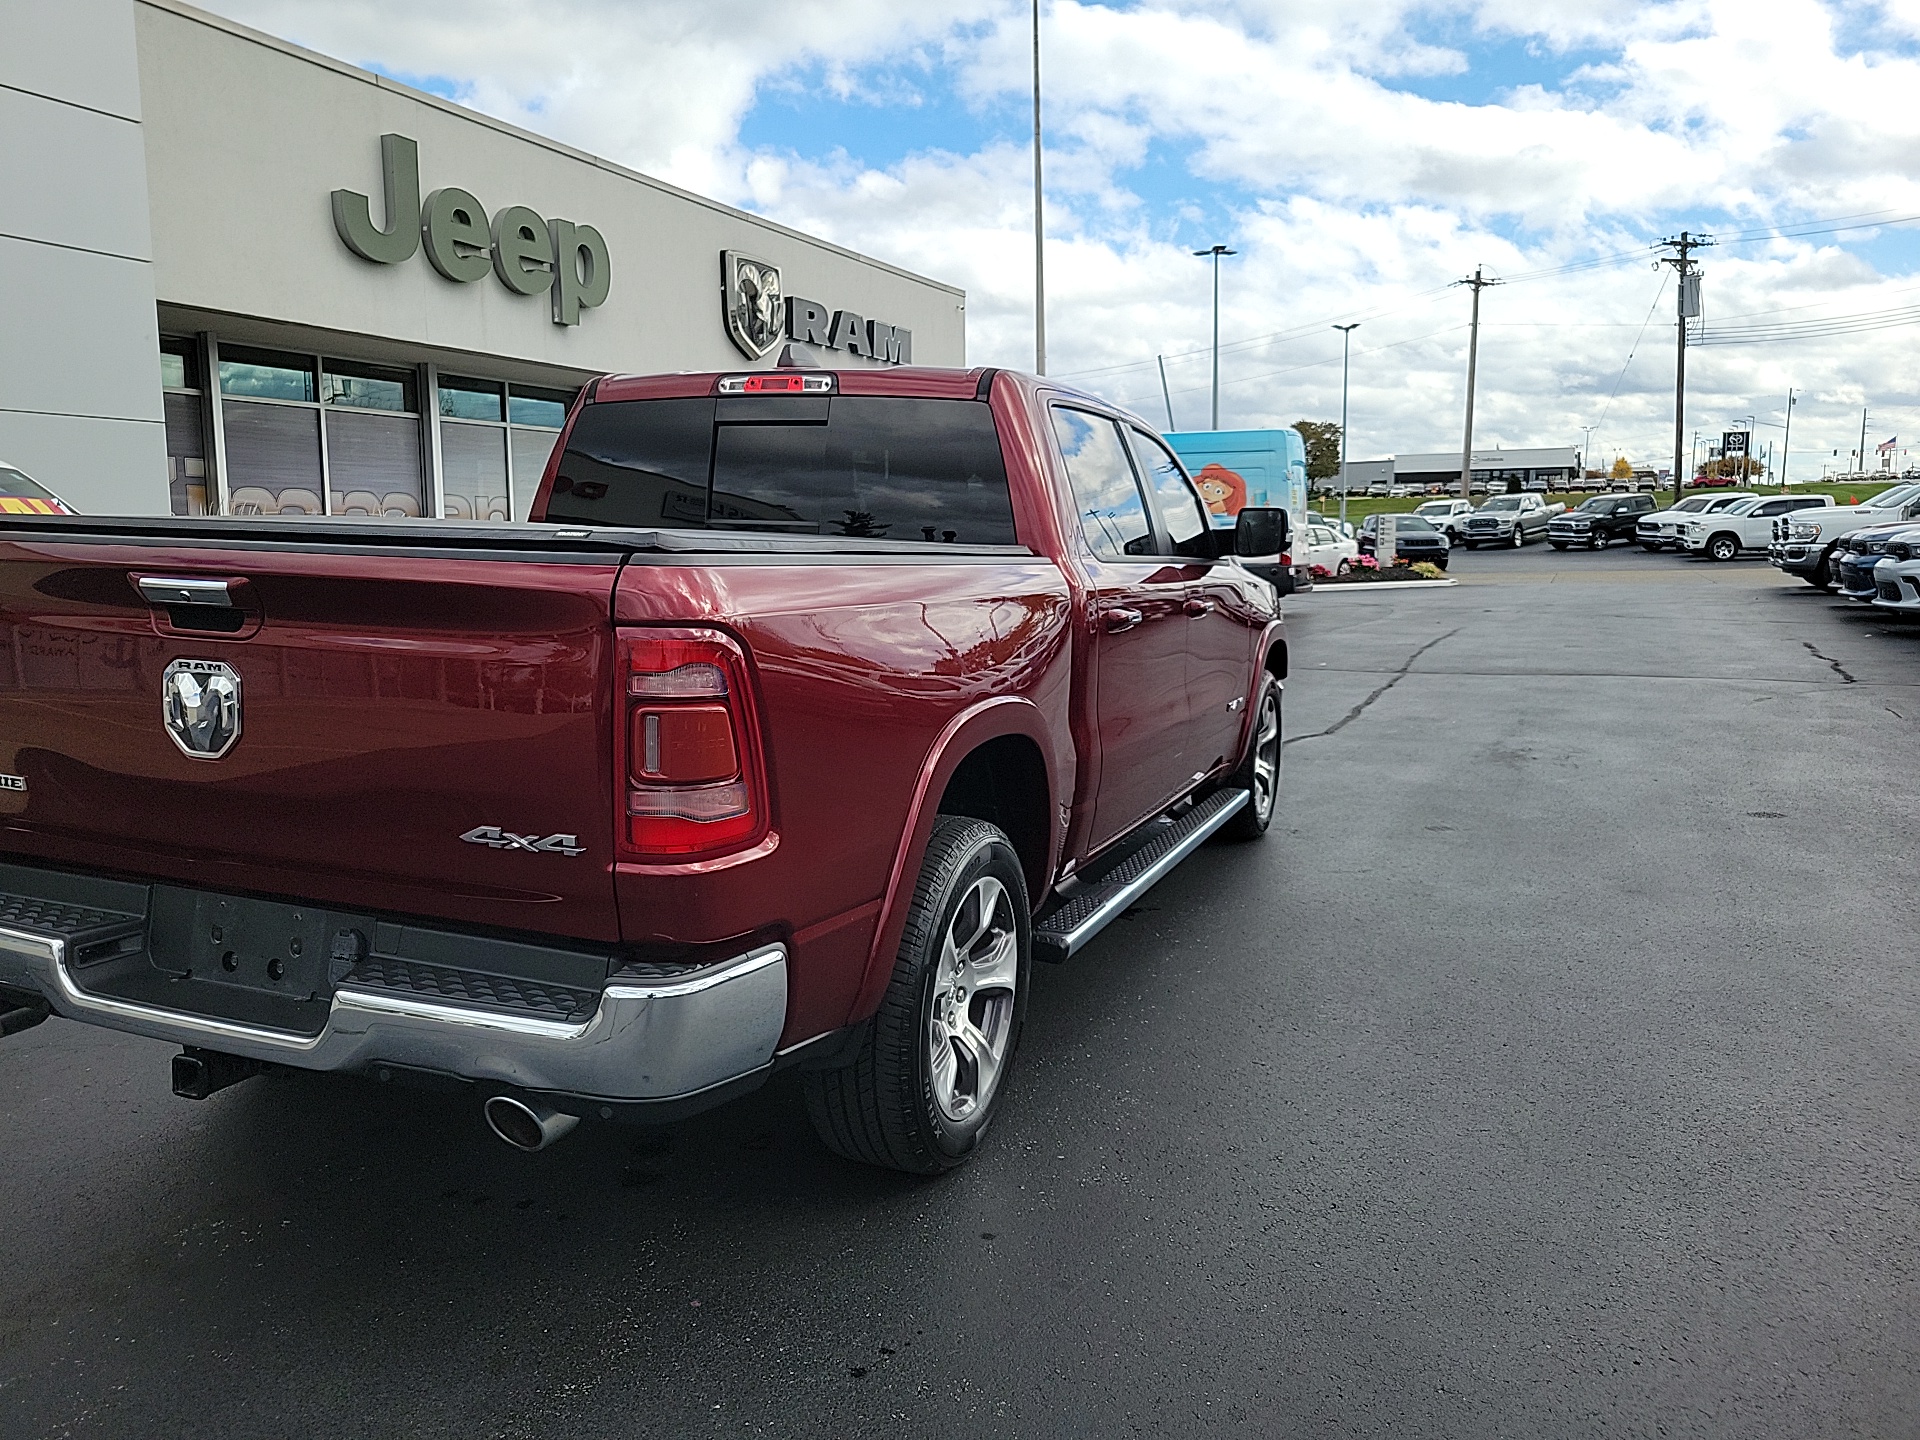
689 754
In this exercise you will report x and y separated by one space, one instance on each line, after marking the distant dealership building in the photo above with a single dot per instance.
244 277
1498 470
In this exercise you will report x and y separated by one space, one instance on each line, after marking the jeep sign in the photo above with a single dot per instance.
527 253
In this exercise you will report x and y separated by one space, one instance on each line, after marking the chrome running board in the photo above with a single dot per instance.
1067 928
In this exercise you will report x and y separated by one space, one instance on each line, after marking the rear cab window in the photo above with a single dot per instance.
874 467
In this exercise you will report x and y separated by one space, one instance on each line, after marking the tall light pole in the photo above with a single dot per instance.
1586 451
1346 350
1786 443
1216 251
1039 219
1479 282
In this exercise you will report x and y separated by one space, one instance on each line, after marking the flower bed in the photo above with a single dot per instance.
1365 570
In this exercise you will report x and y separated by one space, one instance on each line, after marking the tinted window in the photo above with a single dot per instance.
1112 515
1415 523
1180 509
884 467
636 462
1773 507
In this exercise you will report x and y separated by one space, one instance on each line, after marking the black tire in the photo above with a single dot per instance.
1519 537
1597 542
1471 544
1441 561
1723 547
879 1106
1251 820
1650 549
1557 544
1822 578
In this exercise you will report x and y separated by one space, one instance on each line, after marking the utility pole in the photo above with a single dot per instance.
1216 251
1862 467
1586 451
1346 351
1165 393
1786 444
1479 282
1686 309
1039 219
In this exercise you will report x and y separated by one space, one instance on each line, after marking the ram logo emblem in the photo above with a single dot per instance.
200 707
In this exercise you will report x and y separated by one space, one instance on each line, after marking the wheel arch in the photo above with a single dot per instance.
990 748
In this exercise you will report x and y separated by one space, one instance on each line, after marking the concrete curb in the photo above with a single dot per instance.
1364 586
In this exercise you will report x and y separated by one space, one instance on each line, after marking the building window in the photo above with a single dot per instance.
271 414
373 440
495 440
281 461
183 399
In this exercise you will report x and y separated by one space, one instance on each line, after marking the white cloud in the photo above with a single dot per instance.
1309 146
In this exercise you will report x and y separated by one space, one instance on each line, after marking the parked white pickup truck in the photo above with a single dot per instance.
1746 526
1661 530
1803 544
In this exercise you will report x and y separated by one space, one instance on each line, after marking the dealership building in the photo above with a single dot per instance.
1558 466
245 278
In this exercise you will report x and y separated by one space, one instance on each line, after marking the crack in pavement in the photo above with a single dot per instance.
1838 668
1355 713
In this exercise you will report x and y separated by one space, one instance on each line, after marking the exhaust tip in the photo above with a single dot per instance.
526 1124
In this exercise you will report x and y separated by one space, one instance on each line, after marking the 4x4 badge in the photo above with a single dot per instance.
498 839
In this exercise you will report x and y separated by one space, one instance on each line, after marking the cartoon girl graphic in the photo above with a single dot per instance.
1223 490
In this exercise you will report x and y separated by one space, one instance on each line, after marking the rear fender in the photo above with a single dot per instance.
965 733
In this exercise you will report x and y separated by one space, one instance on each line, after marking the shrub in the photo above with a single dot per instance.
1427 570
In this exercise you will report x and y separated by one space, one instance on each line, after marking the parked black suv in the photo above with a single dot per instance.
1602 519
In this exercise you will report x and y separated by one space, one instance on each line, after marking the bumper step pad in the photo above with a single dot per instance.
1069 926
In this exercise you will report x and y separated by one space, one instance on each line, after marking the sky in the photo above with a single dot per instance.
1361 157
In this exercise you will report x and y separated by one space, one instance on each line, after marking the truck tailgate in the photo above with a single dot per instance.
423 730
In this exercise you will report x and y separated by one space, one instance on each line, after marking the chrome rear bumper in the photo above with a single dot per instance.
647 1040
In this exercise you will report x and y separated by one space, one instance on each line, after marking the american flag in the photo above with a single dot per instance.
1885 445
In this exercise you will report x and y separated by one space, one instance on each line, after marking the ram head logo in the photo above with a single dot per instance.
200 707
756 307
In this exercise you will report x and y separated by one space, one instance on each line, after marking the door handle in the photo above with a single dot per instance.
1121 620
1197 608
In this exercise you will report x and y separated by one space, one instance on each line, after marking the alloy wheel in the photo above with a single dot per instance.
1266 758
970 1017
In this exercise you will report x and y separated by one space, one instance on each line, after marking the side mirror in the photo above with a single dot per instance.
1261 530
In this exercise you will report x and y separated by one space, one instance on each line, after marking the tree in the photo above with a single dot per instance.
1622 469
1323 447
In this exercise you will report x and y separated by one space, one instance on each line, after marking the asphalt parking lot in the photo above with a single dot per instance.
1550 1070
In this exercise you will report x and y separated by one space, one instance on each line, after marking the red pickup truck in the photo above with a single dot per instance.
809 709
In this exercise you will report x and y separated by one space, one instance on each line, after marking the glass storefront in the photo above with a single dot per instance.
305 434
495 440
183 399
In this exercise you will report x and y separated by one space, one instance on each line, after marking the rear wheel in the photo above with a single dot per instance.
1259 773
921 1089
